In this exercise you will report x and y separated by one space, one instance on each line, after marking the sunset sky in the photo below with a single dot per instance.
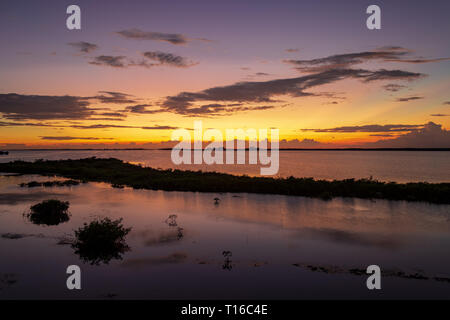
137 70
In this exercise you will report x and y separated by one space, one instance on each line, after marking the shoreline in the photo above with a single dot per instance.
246 149
119 173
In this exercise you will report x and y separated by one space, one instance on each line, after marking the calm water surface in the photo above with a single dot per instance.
399 166
271 239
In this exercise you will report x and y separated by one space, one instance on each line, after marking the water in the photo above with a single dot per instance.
399 166
271 238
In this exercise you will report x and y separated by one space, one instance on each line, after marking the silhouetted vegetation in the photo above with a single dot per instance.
13 236
117 172
49 212
363 272
65 183
172 220
101 240
227 263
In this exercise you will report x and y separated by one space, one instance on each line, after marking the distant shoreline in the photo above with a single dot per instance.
247 149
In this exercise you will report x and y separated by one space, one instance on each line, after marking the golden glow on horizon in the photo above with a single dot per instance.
355 104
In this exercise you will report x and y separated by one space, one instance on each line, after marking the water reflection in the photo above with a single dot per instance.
183 245
49 212
351 238
100 241
7 280
174 258
17 198
172 220
227 263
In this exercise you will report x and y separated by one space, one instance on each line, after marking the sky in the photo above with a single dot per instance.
137 70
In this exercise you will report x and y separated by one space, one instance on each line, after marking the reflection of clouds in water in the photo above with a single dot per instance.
174 258
267 232
354 238
173 234
151 237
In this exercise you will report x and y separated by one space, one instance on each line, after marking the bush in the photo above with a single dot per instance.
49 212
101 240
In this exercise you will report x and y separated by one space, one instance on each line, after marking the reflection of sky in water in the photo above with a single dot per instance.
399 166
265 234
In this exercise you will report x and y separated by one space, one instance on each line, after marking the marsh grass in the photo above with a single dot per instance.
65 183
119 173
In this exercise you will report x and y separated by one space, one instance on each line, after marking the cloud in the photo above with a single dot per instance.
153 58
23 107
371 128
77 125
112 114
305 143
406 99
111 61
385 54
66 138
256 75
439 115
393 87
114 97
23 124
216 109
164 58
100 126
111 126
385 135
429 135
331 102
35 107
446 102
418 60
432 135
160 128
141 109
265 91
173 38
84 47
384 74
291 50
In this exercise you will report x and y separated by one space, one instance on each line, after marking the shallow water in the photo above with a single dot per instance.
399 166
272 238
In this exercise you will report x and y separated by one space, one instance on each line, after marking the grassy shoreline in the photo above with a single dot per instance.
119 173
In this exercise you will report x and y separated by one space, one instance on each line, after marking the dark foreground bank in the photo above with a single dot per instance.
120 174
